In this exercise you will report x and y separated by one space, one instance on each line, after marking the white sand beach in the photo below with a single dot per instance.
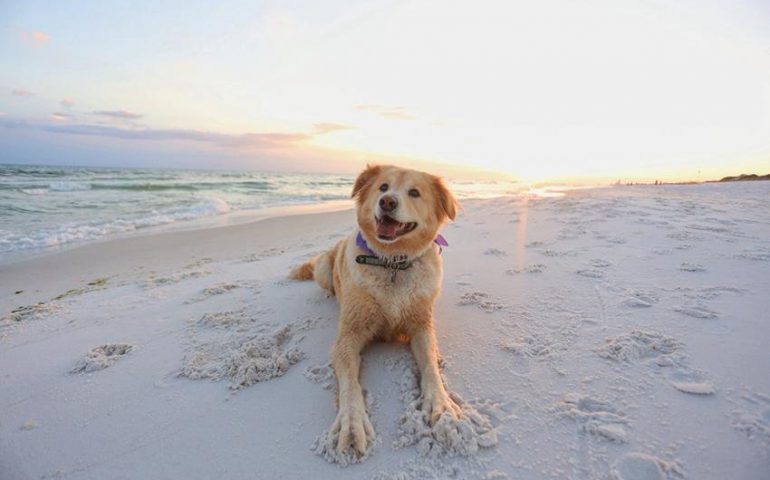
618 332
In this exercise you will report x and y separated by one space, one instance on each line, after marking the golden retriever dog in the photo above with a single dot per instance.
386 276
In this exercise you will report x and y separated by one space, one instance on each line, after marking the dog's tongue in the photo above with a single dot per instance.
386 227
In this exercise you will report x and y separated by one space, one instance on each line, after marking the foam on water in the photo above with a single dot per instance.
90 230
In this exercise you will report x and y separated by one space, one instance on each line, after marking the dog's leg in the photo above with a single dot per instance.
435 399
352 425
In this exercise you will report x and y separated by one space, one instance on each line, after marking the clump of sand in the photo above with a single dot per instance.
25 313
531 268
246 361
177 277
636 345
596 417
481 300
101 357
325 446
464 436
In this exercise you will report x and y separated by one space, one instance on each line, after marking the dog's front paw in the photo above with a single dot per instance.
436 403
352 431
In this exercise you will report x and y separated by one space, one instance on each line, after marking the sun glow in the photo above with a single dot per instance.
555 90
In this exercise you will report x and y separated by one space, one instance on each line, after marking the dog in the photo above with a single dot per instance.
386 277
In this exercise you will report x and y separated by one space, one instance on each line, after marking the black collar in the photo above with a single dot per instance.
392 264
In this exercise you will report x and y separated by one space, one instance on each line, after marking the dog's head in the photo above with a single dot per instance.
399 210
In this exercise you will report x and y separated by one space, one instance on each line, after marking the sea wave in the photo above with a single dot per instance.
85 231
68 186
141 186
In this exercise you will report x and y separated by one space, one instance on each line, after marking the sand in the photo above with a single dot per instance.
609 333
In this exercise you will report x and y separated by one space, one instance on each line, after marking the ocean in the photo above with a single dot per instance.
43 208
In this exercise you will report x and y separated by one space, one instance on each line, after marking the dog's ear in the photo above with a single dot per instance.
364 178
446 204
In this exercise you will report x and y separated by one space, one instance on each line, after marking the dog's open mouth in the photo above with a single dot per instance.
390 229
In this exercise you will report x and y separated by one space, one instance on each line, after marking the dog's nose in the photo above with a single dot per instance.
388 203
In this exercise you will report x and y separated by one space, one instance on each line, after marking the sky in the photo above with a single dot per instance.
539 90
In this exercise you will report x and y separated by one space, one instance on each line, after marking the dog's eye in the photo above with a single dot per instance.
414 193
384 187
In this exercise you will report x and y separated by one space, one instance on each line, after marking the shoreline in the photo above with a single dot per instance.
229 219
44 276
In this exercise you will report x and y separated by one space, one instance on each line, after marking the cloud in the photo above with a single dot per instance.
120 114
67 103
60 116
20 92
246 140
328 127
395 113
266 151
34 39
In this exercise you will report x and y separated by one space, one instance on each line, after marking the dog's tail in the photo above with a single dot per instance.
304 271
319 268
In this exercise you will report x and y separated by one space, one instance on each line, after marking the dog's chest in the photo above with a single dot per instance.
397 294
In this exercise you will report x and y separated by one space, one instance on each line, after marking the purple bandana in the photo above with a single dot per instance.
360 242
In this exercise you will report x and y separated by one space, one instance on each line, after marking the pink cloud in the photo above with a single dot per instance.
60 116
34 39
67 103
121 114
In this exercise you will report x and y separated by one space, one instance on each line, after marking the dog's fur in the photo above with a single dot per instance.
374 307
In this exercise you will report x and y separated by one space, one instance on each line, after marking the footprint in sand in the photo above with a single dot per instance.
617 240
708 228
236 319
590 273
247 359
571 234
710 293
495 252
640 466
322 375
755 255
199 263
691 267
213 290
25 313
696 311
222 288
595 417
658 351
752 417
531 268
481 300
526 349
638 299
155 282
600 263
101 357
256 257
558 253
684 236
690 382
641 345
